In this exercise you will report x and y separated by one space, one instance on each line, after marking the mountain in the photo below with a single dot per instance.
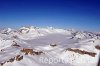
34 46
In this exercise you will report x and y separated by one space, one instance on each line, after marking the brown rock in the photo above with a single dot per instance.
97 47
11 59
31 51
18 58
16 45
53 45
82 52
27 51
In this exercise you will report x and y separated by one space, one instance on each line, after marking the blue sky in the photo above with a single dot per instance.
78 14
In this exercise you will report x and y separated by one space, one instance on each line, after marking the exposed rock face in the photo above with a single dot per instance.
16 45
53 45
15 36
82 52
19 57
31 51
97 47
1 64
27 51
11 59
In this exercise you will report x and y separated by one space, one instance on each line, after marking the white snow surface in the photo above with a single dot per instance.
42 39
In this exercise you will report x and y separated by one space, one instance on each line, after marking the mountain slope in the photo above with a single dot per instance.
48 47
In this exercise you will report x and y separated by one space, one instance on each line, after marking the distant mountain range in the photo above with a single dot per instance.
34 46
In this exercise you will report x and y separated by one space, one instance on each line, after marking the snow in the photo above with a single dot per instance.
53 43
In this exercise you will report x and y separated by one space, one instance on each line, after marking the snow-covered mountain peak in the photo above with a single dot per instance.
32 45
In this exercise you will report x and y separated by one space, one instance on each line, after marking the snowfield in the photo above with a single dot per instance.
32 46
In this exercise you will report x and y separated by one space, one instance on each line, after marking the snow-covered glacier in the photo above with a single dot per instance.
33 46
